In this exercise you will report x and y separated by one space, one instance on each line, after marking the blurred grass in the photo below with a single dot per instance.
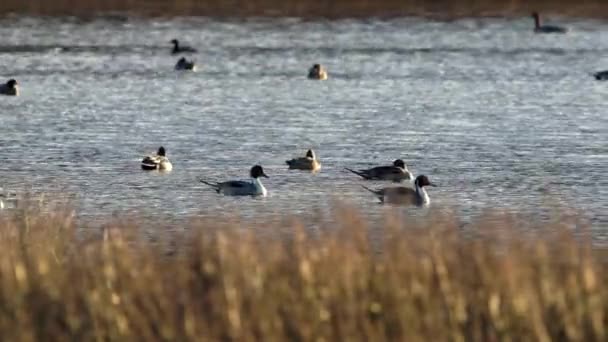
350 279
306 8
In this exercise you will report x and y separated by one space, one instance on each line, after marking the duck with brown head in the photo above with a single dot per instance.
540 28
184 64
242 187
177 48
11 88
157 162
317 72
308 162
397 172
404 195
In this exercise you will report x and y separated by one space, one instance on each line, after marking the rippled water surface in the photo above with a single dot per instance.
496 115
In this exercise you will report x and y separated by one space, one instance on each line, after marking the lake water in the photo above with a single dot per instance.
497 116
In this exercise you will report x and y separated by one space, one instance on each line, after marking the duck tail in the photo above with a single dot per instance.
360 174
215 186
375 192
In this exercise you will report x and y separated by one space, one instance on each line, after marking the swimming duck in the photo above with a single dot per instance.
181 49
601 76
157 162
317 72
184 64
404 195
539 28
396 172
309 162
8 199
242 188
10 88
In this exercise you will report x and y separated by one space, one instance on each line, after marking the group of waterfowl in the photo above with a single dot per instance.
316 72
397 172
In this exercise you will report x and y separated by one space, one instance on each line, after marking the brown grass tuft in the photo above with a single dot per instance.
350 279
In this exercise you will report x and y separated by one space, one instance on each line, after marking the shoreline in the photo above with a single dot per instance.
442 10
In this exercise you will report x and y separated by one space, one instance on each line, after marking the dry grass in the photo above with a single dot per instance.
350 280
306 8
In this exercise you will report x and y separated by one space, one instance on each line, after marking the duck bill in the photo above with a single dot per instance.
264 175
432 184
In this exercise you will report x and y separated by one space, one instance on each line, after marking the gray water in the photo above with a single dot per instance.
497 116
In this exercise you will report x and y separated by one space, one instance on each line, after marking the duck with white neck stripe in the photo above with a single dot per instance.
254 187
404 195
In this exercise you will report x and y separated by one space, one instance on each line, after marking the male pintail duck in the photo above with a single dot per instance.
184 64
404 195
157 162
317 72
309 162
601 76
10 88
242 188
396 172
540 28
181 49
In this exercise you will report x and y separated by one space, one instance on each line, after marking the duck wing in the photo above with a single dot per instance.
150 162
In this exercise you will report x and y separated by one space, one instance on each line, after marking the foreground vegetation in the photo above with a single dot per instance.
306 8
346 280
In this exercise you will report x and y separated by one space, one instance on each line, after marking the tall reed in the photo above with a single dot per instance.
350 278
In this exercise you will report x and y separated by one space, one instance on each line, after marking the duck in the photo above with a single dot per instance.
242 187
539 28
181 49
397 172
157 162
184 64
404 195
309 162
11 88
317 72
8 200
601 76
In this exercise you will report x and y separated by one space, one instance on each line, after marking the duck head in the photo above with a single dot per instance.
11 83
174 42
399 163
310 154
422 181
536 17
161 151
257 171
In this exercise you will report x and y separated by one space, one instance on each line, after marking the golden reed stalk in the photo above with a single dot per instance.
350 278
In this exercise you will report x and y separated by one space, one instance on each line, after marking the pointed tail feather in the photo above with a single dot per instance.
375 192
378 193
215 186
361 174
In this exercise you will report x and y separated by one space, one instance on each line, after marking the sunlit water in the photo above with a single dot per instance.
497 116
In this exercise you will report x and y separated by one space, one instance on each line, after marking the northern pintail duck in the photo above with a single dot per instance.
181 49
396 172
8 199
405 195
309 162
317 72
241 187
184 64
601 76
540 28
157 162
10 88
